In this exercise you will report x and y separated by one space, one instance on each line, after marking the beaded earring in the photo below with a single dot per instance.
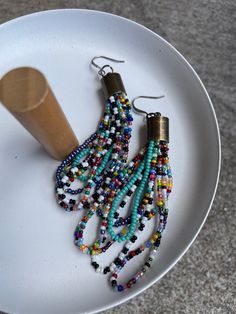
109 145
152 181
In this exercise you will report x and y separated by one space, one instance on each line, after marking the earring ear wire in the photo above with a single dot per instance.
101 69
144 97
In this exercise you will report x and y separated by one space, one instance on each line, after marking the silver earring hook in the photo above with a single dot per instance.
146 97
101 69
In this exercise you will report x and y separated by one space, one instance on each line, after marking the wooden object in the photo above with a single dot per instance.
27 95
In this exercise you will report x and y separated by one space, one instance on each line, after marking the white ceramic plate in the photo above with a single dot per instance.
40 269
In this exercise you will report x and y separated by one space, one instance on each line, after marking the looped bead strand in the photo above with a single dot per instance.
87 163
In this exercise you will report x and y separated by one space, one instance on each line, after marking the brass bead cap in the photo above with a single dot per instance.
112 83
158 128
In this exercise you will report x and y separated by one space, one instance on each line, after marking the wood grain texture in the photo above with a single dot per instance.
27 95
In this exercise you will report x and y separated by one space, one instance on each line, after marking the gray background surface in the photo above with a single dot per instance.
204 281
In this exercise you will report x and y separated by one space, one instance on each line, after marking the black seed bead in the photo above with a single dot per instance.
61 196
147 264
106 270
122 204
95 265
138 251
157 243
114 283
133 238
129 193
150 201
104 238
72 201
128 220
116 215
117 261
86 205
146 214
125 250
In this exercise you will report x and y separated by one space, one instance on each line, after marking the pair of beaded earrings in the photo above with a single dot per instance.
110 183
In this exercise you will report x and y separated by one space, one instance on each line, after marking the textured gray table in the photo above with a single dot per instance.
204 281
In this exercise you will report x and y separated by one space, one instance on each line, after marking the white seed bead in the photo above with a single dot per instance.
112 267
128 245
99 270
133 188
126 199
121 255
94 258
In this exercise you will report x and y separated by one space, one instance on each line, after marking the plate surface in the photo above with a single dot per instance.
40 269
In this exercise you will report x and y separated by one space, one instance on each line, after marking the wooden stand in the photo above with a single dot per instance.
27 95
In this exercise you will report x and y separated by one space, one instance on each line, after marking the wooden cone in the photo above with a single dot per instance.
27 95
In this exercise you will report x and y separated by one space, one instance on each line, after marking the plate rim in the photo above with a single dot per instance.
89 11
